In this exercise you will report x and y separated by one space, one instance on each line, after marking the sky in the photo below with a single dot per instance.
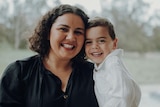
95 4
88 4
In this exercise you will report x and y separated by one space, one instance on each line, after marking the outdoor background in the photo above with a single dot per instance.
137 25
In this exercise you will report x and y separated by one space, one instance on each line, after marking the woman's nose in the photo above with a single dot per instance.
71 36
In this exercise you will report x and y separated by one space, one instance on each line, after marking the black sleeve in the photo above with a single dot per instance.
10 87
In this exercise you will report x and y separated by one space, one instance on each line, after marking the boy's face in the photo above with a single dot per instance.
98 44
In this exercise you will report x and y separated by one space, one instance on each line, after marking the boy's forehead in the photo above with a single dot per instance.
97 29
97 32
97 37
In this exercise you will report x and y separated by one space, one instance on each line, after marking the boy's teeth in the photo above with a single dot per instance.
96 53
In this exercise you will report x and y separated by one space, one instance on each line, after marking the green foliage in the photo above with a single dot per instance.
156 37
3 32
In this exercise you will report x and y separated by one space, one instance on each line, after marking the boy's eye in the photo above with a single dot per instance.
88 42
101 41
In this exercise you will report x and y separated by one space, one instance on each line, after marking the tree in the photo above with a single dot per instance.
128 19
156 37
24 16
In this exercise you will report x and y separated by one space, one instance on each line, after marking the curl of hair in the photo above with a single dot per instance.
39 39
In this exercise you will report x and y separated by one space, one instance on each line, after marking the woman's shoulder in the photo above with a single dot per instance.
18 66
24 62
28 59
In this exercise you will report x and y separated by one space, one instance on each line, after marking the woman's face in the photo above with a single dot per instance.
66 36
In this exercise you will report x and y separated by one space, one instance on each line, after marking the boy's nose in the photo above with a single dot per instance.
95 45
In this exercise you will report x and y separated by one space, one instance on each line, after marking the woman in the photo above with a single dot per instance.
58 76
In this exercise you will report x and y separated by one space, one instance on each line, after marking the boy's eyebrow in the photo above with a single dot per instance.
97 38
102 37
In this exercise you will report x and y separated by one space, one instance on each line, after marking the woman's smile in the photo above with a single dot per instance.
68 46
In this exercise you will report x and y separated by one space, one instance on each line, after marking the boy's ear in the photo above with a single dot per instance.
115 43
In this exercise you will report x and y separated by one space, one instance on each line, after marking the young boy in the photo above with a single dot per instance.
114 86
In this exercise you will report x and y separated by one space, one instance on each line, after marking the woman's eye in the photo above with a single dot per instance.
64 29
79 33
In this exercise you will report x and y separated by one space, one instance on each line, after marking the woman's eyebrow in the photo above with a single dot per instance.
78 28
64 25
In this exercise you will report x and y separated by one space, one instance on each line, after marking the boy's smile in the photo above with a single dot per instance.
98 43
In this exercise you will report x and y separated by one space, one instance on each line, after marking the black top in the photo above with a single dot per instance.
26 83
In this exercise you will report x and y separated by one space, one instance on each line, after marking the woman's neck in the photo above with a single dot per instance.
53 63
61 68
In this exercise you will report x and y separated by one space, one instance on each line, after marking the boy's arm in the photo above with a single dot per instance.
124 90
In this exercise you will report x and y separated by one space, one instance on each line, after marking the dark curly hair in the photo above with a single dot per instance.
39 39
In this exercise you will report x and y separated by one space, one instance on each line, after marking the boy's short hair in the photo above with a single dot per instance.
104 22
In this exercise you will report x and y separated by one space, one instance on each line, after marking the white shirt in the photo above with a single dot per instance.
114 86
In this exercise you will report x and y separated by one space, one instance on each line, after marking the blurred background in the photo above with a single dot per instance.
136 22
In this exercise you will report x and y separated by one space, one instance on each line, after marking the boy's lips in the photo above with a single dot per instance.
96 54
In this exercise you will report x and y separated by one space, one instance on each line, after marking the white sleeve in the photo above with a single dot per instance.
124 92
